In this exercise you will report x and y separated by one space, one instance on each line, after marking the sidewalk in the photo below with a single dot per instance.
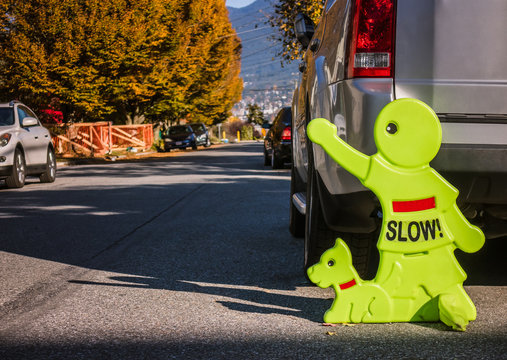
128 157
137 156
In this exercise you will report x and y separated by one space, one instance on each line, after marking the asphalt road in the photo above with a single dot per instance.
189 257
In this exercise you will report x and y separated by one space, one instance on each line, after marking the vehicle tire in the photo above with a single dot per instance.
194 146
296 219
276 162
319 237
17 178
267 159
364 252
49 175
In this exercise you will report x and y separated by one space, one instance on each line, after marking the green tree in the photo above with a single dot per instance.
282 19
254 114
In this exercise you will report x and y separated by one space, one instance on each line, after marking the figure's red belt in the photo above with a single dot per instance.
414 205
348 284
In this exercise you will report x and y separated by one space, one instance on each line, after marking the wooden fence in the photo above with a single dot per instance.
100 138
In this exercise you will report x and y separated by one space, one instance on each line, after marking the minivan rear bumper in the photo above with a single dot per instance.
476 158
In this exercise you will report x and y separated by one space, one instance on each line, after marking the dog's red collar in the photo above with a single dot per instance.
348 284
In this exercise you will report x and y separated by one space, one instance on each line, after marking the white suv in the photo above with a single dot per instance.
25 146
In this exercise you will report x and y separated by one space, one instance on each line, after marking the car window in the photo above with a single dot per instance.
179 130
30 113
283 119
24 112
6 116
197 127
287 117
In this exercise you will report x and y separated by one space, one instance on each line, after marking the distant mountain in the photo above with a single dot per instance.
266 82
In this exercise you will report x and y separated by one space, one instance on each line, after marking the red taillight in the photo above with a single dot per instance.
371 51
286 133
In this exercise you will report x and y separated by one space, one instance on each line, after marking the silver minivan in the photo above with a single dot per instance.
364 54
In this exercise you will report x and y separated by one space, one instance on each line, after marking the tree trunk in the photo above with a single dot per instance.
131 114
134 117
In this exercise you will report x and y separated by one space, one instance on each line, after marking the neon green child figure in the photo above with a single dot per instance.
422 225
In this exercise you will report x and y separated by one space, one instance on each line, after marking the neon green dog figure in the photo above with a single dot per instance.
356 300
422 225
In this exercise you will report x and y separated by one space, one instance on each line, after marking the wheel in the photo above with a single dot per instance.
319 237
364 253
49 175
194 146
276 163
17 179
296 219
267 159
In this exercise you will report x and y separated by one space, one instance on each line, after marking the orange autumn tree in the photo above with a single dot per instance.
40 48
132 61
218 86
207 66
91 55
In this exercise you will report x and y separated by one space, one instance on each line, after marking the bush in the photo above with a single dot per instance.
247 132
158 145
257 135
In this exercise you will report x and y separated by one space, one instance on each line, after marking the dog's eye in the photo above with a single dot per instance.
330 263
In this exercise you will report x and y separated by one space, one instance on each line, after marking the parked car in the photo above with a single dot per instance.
25 146
179 137
366 53
277 143
201 134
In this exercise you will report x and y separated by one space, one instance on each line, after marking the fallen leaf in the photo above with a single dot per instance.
331 333
328 324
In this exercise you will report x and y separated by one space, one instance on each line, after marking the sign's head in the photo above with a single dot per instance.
408 133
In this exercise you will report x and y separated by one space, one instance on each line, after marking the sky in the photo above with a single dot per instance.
238 3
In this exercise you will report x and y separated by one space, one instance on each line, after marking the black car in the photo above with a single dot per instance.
179 137
201 134
277 143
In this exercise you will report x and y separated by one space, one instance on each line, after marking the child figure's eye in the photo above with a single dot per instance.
330 263
392 128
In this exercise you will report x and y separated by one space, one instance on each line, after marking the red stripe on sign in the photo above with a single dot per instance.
414 205
347 285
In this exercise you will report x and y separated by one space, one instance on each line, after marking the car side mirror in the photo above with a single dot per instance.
304 29
29 121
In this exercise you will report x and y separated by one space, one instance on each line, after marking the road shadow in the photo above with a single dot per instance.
237 237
